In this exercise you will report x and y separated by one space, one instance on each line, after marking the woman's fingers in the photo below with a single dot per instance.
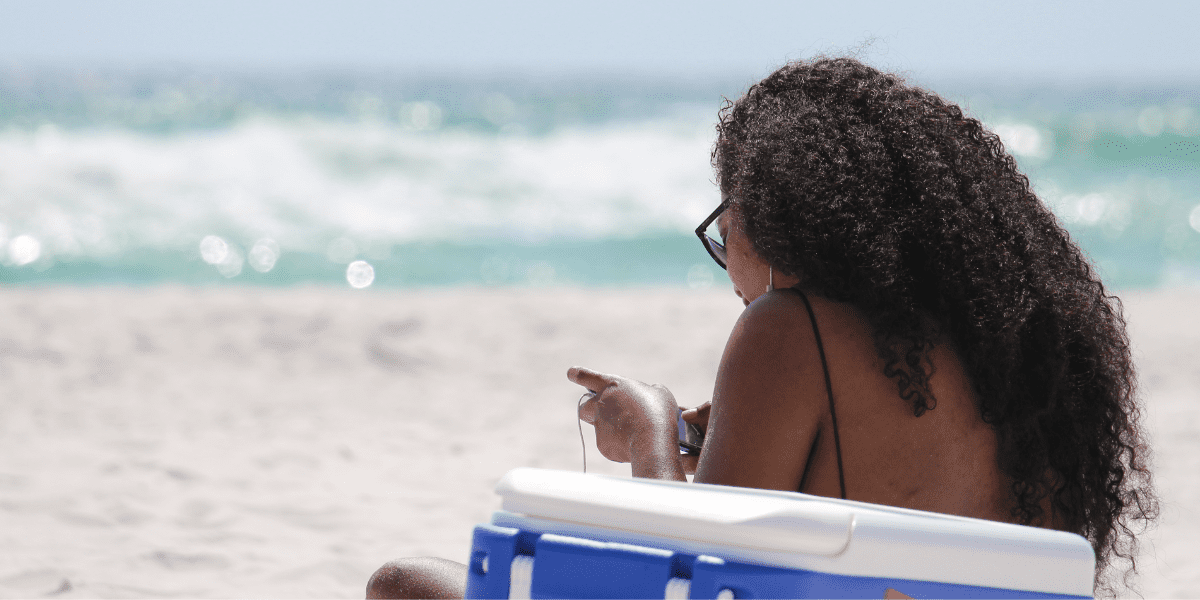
594 381
698 415
588 406
623 410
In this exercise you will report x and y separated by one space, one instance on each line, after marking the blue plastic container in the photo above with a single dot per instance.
569 535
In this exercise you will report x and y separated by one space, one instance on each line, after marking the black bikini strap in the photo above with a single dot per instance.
837 442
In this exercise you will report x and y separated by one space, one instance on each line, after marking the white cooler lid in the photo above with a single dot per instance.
793 530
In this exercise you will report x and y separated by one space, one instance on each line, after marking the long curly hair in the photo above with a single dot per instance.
885 196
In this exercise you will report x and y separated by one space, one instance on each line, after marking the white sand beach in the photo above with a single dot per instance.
220 443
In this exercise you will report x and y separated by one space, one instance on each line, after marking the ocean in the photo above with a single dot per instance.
394 180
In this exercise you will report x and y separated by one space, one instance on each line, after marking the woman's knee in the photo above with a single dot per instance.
418 578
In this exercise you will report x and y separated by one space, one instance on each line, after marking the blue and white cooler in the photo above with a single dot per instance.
571 535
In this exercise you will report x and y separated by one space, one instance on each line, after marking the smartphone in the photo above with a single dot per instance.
691 438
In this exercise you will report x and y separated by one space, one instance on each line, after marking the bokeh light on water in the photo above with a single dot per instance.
360 274
1025 140
263 255
421 116
1151 121
213 250
226 258
24 249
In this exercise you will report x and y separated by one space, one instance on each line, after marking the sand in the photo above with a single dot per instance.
219 443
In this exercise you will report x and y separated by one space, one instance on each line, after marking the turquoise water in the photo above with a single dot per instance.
392 180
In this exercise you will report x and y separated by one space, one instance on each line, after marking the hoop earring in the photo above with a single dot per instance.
771 280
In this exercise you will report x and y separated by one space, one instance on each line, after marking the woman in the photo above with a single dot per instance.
920 332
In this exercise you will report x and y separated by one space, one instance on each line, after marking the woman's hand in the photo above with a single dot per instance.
635 422
698 416
624 411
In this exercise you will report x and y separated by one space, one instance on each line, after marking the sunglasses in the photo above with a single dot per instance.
715 249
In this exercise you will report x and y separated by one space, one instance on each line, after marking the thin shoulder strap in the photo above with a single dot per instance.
837 442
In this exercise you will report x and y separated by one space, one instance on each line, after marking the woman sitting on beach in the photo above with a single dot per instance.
920 331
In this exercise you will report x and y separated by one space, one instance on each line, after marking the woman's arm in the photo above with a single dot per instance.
768 405
769 402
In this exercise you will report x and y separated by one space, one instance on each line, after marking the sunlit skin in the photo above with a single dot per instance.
768 424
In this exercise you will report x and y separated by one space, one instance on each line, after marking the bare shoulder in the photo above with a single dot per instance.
781 319
777 339
773 323
768 404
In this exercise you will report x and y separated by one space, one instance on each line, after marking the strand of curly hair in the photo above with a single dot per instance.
887 197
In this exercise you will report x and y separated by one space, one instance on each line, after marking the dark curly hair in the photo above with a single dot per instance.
885 196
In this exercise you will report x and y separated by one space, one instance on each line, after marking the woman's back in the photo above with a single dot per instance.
943 461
